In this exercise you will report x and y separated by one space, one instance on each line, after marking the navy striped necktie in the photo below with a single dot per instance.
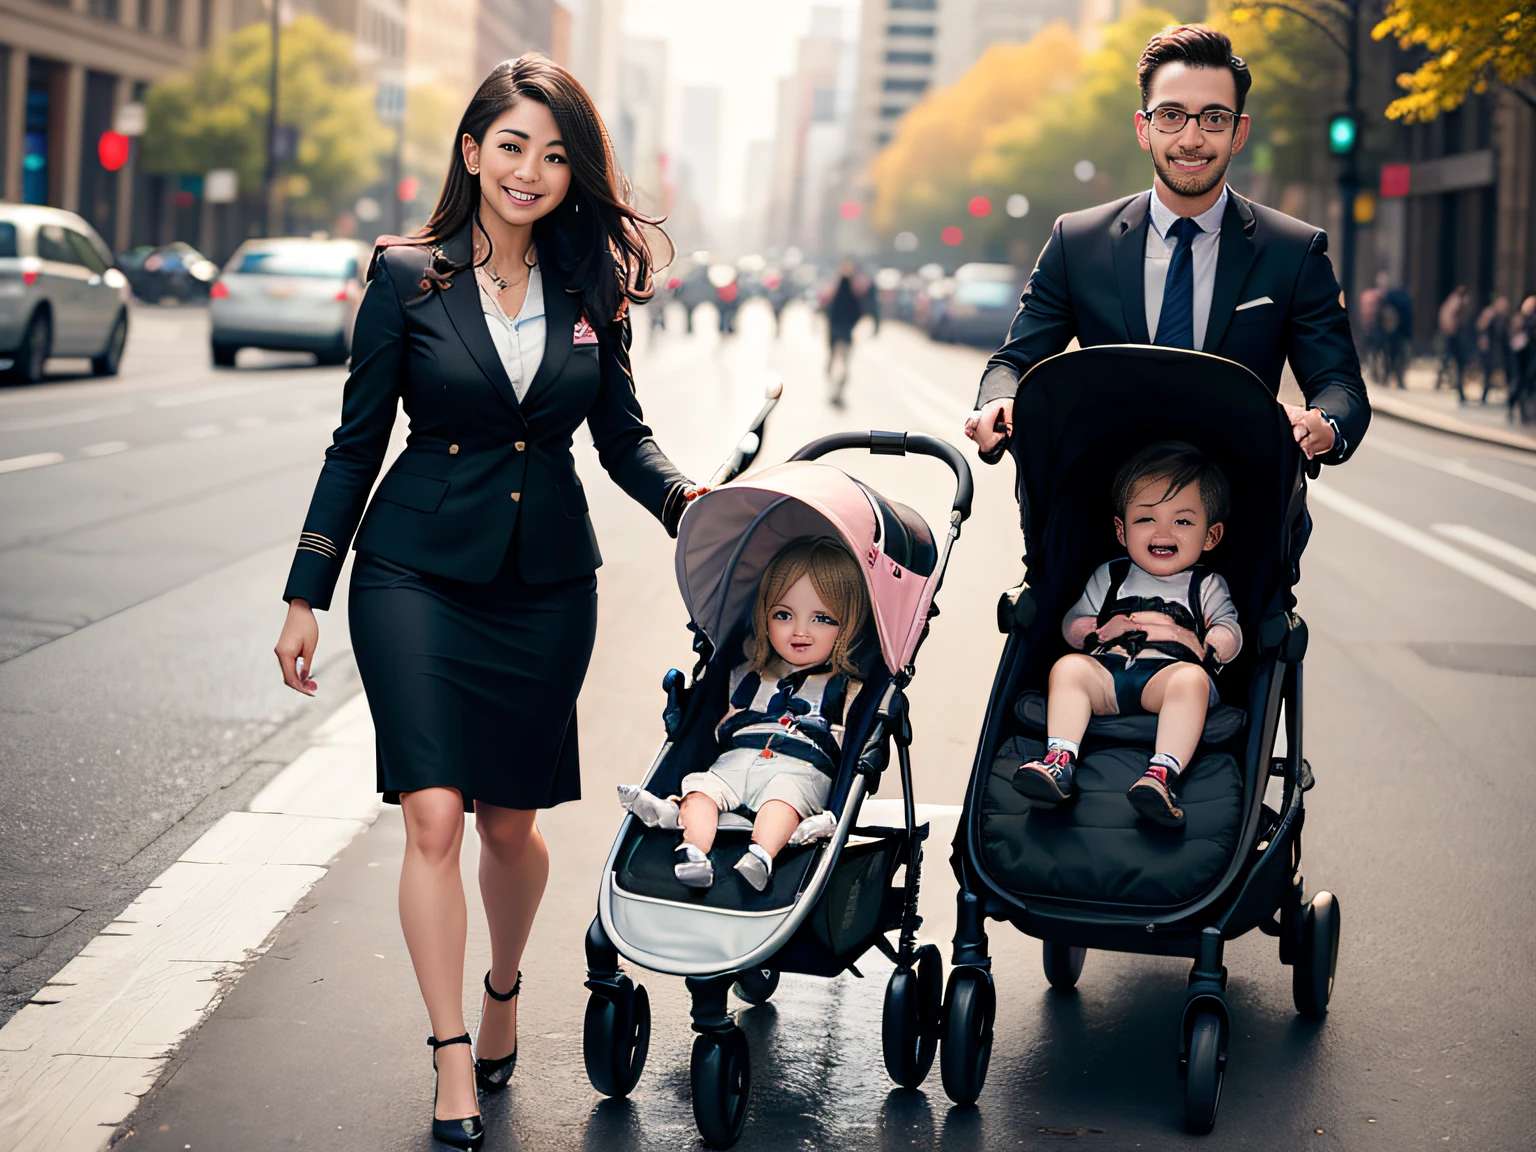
1176 322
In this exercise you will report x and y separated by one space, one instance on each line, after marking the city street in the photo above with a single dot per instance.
146 526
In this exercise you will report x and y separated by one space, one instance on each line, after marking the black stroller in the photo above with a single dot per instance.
827 903
1089 875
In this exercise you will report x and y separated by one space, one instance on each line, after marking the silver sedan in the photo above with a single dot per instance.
291 295
60 293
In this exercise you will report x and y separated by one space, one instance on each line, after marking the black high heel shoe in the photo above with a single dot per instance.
465 1132
493 1075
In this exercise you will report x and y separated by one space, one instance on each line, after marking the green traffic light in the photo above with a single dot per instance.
1342 131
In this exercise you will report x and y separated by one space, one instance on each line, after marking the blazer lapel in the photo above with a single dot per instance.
1233 260
1128 239
462 302
560 311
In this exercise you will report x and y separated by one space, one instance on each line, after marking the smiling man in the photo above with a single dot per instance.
1191 264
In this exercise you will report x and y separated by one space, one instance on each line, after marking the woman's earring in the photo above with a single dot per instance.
474 171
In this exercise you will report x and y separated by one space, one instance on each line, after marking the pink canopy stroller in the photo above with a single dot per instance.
828 902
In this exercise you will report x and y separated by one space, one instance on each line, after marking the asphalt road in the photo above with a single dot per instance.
138 606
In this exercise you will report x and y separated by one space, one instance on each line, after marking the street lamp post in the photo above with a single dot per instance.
1343 129
271 173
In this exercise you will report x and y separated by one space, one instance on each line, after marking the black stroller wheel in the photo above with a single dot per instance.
966 1047
1204 1074
1317 958
909 1025
756 985
615 1037
721 1075
1063 964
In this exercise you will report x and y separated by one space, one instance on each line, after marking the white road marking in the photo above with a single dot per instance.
60 419
1422 542
1455 468
36 460
1492 545
75 1061
202 431
200 395
106 448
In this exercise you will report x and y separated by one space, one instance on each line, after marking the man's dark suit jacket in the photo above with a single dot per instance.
1088 284
477 460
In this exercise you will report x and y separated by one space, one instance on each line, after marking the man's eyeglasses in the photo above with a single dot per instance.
1171 120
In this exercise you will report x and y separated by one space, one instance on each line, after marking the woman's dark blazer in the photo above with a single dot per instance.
477 460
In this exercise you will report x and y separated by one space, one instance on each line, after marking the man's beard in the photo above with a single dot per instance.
1191 184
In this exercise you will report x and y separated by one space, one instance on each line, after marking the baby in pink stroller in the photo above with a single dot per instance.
781 738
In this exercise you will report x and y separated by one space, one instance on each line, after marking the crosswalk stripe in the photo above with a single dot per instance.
1422 542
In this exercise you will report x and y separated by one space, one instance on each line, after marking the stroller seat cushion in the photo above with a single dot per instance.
1222 723
1096 847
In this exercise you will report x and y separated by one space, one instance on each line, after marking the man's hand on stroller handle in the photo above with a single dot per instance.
991 425
1314 434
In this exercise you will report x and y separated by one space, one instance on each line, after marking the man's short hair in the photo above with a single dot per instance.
1197 45
1180 465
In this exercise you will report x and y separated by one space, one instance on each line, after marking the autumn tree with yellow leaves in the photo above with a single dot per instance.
1472 44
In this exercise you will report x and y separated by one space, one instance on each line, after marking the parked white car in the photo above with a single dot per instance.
292 295
60 293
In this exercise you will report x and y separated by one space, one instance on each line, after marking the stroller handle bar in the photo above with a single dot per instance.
900 444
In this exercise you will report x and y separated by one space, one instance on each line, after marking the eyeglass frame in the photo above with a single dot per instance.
1149 113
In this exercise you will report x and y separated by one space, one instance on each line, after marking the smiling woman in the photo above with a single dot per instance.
501 327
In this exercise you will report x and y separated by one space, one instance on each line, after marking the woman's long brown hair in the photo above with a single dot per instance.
597 238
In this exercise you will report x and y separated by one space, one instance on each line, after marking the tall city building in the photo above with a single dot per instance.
810 134
639 130
66 69
505 29
699 142
967 28
897 64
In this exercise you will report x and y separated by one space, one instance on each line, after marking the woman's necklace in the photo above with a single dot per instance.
530 261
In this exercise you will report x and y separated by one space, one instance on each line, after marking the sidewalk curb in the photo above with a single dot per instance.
75 1060
1396 406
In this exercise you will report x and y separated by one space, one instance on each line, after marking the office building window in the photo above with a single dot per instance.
925 31
882 139
172 29
909 57
204 22
915 5
890 111
105 10
35 142
903 84
144 14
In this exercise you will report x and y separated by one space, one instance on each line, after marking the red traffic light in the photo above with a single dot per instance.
952 236
408 189
979 206
112 150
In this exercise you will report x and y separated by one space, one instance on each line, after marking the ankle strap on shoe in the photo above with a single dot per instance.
503 997
434 1043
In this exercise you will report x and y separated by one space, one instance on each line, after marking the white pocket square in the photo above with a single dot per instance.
1254 303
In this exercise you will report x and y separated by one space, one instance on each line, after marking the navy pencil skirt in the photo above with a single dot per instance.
473 686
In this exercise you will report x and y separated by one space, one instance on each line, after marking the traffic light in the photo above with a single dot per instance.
1343 133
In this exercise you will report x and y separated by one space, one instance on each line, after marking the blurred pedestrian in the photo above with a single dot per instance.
1522 360
778 297
1452 320
1369 318
1396 324
1493 343
502 326
843 312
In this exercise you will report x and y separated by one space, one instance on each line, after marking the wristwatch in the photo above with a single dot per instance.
1338 437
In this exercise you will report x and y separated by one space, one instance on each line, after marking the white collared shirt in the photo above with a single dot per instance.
519 339
1159 252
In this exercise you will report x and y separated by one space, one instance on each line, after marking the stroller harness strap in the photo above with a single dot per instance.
794 716
1191 616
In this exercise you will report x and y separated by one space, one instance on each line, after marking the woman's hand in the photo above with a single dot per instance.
299 638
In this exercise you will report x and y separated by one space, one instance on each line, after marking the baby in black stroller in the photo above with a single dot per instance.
781 737
1152 626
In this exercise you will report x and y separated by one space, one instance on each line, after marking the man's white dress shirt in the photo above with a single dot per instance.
1159 252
